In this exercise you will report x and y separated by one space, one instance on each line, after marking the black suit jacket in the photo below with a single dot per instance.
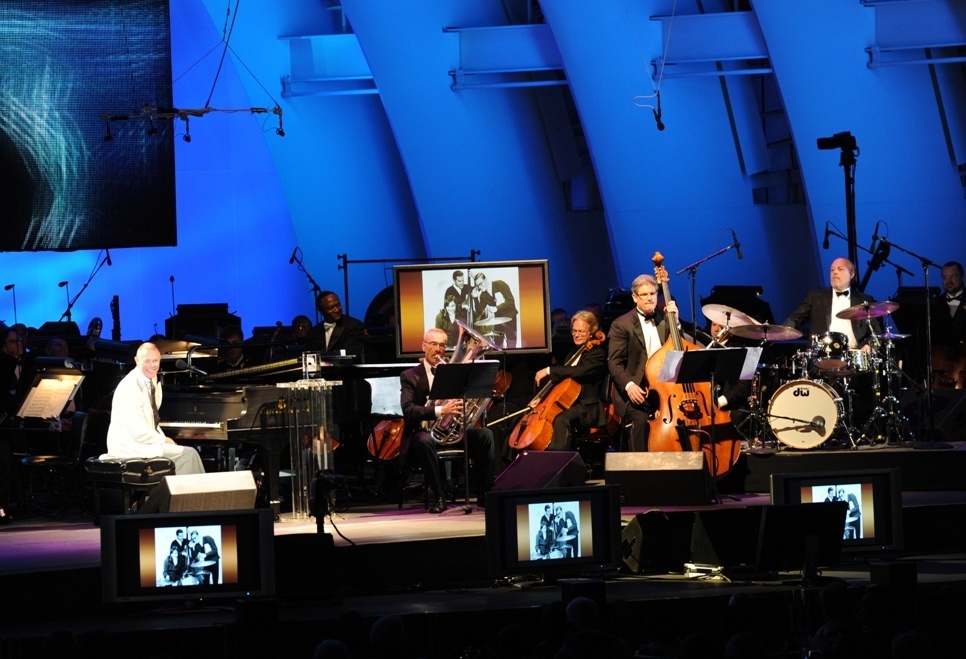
589 373
627 354
816 311
349 334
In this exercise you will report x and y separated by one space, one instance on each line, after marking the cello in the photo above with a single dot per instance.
683 411
535 430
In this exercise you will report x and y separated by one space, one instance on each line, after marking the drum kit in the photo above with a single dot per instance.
807 401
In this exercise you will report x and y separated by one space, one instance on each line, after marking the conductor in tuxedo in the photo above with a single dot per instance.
420 413
819 308
632 339
337 333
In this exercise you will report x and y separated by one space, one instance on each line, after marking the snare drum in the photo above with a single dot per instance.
830 351
804 413
862 361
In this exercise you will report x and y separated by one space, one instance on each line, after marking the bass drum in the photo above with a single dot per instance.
803 413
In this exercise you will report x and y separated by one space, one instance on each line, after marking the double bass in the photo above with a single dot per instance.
683 412
535 430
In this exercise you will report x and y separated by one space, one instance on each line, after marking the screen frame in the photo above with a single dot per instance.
529 280
510 513
129 556
880 490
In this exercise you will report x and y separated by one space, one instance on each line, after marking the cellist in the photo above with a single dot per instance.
588 368
634 337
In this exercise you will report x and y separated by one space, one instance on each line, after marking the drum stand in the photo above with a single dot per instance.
886 423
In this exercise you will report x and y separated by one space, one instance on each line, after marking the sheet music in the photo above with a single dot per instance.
672 364
49 398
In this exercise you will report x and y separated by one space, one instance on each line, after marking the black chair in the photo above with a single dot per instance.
53 484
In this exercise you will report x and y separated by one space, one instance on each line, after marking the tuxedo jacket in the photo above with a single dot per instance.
413 398
816 311
627 353
589 372
349 334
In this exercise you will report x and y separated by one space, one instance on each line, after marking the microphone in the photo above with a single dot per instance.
657 112
875 236
107 257
818 423
736 244
294 254
8 287
61 284
185 366
825 242
880 255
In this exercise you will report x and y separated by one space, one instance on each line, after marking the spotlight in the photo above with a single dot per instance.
280 131
187 137
187 128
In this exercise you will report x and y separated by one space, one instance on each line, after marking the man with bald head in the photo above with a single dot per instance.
819 308
134 430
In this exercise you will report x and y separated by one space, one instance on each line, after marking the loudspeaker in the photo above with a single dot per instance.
662 478
537 470
657 542
224 490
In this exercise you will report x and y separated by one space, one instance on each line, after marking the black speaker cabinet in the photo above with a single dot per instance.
537 470
657 542
661 478
226 490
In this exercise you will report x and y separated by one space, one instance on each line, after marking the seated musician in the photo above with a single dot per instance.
234 358
134 430
337 334
633 338
731 396
949 361
420 413
820 306
587 366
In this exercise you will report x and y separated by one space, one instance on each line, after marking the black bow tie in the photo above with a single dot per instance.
432 369
950 298
841 293
646 316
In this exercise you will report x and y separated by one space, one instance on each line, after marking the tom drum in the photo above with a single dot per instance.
830 351
803 413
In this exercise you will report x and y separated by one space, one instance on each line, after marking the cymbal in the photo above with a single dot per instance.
868 310
891 335
203 563
767 332
726 316
566 538
486 322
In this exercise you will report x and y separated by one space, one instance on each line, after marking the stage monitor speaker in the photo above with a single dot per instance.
657 542
726 537
661 478
537 470
225 490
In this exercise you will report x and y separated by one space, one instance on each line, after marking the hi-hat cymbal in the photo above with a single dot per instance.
868 310
486 322
891 335
767 332
726 316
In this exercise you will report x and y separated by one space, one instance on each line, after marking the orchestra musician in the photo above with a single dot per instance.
731 396
446 321
459 291
588 368
337 333
632 339
420 413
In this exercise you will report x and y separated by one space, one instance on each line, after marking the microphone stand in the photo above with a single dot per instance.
72 302
316 289
899 269
929 434
692 271
13 290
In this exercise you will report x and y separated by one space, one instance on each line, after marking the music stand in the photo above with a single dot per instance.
718 364
470 380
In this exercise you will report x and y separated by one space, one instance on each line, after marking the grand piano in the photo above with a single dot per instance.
272 407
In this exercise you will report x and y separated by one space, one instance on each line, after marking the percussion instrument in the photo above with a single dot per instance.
487 322
862 361
804 413
830 352
766 332
868 310
726 316
203 564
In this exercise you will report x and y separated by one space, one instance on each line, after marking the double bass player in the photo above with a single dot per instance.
632 339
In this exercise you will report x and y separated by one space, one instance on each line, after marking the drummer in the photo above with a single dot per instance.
820 307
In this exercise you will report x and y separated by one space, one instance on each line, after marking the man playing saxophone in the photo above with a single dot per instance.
418 442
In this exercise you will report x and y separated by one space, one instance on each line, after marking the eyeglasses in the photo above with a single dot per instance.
579 332
435 344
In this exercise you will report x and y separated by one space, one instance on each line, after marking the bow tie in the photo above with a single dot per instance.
950 298
646 316
432 369
841 293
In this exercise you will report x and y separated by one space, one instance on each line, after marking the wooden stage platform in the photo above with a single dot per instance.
376 560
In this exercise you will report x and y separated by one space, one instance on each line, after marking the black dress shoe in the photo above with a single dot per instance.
438 506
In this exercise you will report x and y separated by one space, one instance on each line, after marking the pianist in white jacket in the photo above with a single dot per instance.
134 431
